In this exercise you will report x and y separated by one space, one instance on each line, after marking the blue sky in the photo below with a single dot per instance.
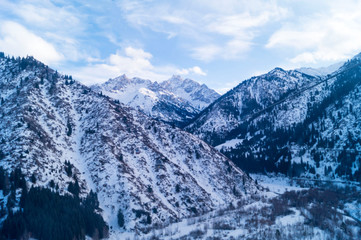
219 43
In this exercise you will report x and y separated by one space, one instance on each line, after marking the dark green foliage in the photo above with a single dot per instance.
17 179
14 226
52 184
120 218
91 201
68 168
2 155
74 188
2 178
144 215
11 200
45 214
120 157
149 219
33 178
177 188
48 215
198 155
69 129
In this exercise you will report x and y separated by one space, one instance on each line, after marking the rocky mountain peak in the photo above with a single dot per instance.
174 101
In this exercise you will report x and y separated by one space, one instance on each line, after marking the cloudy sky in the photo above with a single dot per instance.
219 43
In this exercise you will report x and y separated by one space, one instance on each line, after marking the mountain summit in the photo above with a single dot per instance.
174 101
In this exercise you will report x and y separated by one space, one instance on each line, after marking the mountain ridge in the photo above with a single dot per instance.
174 101
290 136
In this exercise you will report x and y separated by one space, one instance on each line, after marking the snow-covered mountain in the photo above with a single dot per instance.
322 71
226 114
290 122
149 170
174 101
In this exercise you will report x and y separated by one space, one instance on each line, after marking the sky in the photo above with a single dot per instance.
219 43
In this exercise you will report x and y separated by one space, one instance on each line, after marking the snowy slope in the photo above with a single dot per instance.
226 113
174 101
149 170
313 133
200 96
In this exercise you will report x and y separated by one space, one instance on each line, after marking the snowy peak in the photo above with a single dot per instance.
200 95
357 57
322 71
122 82
174 101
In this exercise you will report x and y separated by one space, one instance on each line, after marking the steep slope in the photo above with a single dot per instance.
312 130
147 169
174 101
216 123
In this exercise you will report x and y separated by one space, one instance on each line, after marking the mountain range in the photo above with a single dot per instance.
175 101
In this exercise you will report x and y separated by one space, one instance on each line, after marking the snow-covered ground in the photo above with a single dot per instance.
265 216
276 183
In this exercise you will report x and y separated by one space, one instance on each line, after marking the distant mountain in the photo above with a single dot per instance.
60 133
290 122
174 101
322 71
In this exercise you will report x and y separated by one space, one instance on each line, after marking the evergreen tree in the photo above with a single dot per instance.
2 155
33 178
120 218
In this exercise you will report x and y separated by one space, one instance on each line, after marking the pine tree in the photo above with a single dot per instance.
120 218
33 178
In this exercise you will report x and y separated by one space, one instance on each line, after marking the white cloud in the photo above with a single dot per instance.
207 52
209 29
296 39
330 35
133 62
59 24
197 70
18 41
46 15
193 70
235 25
137 53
